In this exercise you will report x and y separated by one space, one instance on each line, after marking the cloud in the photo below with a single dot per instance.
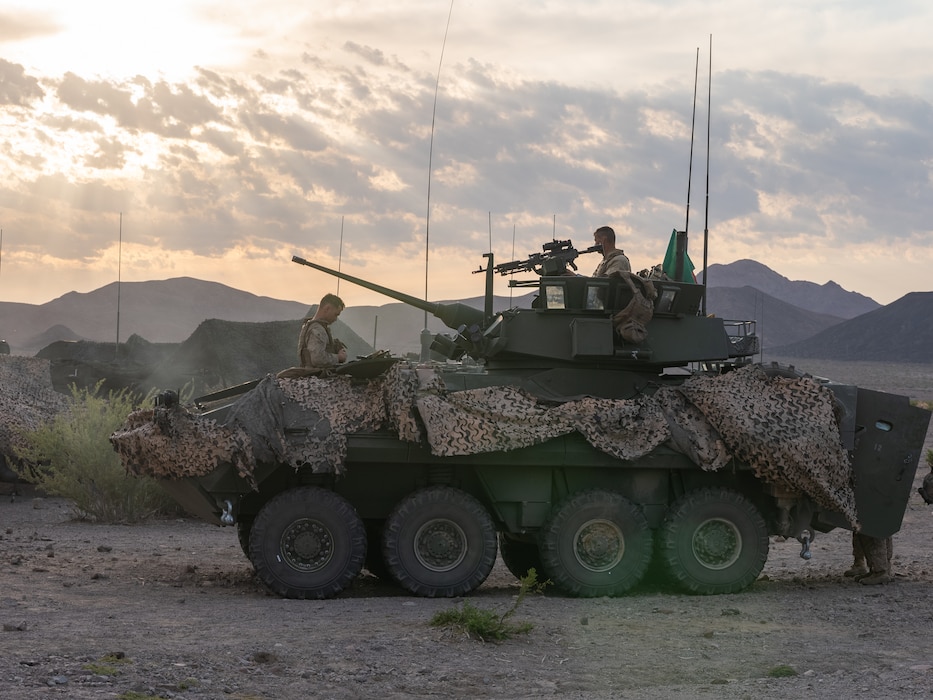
16 88
271 154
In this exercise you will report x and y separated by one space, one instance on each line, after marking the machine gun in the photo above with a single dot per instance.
553 261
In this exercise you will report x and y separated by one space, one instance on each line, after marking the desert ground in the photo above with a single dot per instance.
171 609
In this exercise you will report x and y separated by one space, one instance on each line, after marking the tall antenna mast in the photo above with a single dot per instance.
116 350
692 129
427 223
340 255
709 118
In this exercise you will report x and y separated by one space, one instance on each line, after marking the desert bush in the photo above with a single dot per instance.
71 457
487 625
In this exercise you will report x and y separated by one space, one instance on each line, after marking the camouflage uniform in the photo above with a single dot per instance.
317 348
871 559
614 262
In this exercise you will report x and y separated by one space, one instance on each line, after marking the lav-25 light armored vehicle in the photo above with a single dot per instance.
608 424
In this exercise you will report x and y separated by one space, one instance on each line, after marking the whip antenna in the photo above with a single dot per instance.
340 255
709 118
692 129
427 223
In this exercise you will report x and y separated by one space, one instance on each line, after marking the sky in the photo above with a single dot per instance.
401 141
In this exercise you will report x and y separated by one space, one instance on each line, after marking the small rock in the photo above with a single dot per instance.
10 627
584 620
104 548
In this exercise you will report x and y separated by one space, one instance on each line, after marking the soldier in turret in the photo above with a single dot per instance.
317 348
614 260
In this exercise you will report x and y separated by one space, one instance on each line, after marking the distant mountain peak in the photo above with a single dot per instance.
829 298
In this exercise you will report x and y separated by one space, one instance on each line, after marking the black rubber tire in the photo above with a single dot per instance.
439 542
595 543
307 542
520 555
714 541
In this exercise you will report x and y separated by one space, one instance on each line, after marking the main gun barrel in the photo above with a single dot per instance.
453 315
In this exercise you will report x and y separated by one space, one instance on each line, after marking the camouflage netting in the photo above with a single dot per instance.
27 400
784 428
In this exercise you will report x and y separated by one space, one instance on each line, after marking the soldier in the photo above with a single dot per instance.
614 260
871 559
317 348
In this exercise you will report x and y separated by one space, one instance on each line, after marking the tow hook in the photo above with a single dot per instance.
804 538
227 516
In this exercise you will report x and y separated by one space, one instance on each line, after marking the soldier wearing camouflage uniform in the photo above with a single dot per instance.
317 348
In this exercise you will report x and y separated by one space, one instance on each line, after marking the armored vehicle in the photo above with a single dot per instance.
609 424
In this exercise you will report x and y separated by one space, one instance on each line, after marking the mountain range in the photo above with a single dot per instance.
794 318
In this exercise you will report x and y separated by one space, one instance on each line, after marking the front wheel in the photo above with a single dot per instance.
596 543
439 541
307 542
714 541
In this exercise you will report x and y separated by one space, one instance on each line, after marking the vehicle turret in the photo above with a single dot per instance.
593 323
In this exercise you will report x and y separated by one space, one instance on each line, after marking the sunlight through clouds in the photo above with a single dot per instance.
228 134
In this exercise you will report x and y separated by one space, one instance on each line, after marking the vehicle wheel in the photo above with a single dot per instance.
519 555
714 541
307 542
595 543
439 541
243 527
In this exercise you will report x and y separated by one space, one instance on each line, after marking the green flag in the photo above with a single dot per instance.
670 262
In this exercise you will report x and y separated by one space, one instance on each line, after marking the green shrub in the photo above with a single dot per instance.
72 457
487 625
782 671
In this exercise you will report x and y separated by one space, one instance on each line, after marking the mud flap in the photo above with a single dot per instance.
888 446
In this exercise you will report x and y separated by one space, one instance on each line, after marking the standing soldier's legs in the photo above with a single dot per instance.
877 552
858 568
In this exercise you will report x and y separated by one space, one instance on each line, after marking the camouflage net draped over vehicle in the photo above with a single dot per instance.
27 399
783 428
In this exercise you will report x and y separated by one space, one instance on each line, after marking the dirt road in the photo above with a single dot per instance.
171 609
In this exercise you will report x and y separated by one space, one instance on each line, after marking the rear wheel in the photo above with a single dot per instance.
520 555
714 541
596 543
439 541
307 542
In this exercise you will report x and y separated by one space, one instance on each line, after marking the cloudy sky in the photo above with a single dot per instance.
231 135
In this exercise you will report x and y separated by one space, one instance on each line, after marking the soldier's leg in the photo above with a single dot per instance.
858 567
876 554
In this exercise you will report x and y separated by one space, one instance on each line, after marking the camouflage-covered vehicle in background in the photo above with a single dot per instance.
608 424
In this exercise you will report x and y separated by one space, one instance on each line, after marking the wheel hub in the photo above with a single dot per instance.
307 545
717 543
599 545
440 545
